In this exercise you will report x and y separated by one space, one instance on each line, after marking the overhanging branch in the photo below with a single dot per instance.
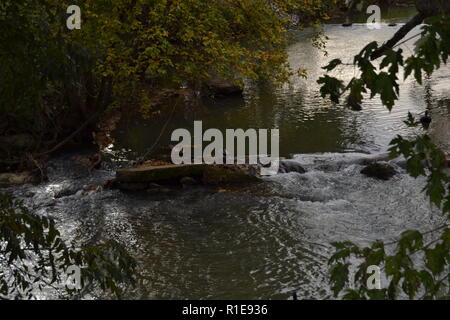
399 35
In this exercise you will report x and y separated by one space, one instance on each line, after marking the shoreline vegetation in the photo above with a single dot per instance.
127 57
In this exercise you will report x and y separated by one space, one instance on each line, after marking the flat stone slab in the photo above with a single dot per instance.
208 174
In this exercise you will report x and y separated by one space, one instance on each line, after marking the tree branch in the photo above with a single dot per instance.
399 35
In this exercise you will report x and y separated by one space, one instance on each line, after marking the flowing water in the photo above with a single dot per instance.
273 238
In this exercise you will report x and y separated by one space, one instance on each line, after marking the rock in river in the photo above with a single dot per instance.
379 170
286 166
159 173
139 178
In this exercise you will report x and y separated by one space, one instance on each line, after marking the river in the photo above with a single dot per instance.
267 241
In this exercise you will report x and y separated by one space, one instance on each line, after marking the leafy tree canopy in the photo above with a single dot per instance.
126 48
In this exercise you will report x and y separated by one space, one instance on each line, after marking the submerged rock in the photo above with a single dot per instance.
286 166
379 170
29 194
66 192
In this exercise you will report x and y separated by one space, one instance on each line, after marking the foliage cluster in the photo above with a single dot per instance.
418 265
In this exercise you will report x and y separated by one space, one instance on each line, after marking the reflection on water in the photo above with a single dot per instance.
307 122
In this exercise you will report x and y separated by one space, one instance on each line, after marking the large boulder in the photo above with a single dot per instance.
379 170
184 174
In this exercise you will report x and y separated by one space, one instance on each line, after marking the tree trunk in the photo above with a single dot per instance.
426 9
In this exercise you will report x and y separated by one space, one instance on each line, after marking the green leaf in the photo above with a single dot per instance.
387 88
435 259
446 237
352 295
427 280
414 64
339 277
332 87
411 121
357 88
333 64
411 240
394 59
411 282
